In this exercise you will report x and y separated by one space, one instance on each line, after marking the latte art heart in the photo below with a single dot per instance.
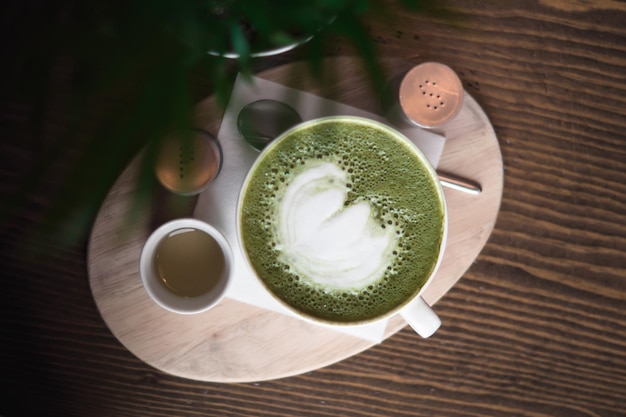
327 242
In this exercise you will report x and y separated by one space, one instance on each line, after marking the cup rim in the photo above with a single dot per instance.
438 187
186 305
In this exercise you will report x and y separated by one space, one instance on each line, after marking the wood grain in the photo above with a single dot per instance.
536 326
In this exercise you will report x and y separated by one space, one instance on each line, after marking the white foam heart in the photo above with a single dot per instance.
327 242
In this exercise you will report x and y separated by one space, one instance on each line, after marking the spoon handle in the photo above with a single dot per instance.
459 184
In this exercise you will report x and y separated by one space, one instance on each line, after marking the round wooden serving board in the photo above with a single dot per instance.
236 342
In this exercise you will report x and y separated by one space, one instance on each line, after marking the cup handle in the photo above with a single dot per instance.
421 317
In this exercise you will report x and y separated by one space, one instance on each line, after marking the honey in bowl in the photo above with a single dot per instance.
189 262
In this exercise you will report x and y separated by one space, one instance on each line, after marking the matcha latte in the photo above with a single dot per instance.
342 219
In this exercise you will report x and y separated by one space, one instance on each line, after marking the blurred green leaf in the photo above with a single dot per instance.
88 54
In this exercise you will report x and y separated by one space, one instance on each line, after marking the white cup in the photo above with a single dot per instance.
152 280
416 312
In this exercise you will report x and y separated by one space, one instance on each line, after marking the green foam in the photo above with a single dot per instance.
383 170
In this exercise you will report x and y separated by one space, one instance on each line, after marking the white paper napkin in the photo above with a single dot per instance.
218 204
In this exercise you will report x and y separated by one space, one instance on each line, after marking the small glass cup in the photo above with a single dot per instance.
261 121
186 163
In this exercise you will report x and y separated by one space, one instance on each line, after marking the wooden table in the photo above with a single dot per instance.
535 327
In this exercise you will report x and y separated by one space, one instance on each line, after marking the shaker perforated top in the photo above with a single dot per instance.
431 94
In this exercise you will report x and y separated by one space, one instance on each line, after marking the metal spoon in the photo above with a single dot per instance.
459 184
